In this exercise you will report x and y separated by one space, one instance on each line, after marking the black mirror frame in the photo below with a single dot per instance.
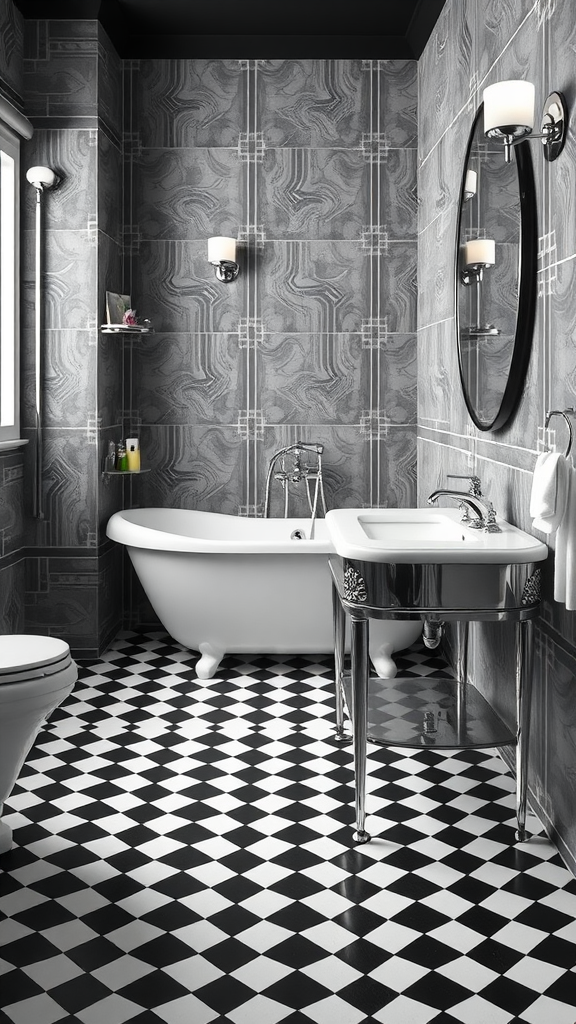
526 306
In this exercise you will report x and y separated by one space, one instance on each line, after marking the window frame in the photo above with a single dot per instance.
10 347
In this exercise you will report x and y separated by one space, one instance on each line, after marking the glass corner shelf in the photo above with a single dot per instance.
124 329
124 472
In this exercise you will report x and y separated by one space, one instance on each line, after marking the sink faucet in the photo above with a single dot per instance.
484 509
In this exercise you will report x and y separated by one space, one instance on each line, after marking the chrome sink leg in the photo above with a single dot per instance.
359 643
339 620
524 661
462 637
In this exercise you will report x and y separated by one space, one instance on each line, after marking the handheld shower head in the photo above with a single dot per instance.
42 177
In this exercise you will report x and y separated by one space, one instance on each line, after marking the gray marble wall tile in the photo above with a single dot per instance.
497 22
188 103
110 212
69 280
189 193
193 467
445 71
398 102
62 80
313 102
62 601
436 269
313 378
399 200
109 84
11 50
69 374
313 286
174 286
316 193
12 583
562 338
110 595
69 489
11 503
440 173
189 379
396 376
109 354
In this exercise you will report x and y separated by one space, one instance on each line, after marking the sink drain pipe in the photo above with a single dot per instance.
432 633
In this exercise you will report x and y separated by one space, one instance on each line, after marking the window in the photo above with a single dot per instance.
9 285
13 127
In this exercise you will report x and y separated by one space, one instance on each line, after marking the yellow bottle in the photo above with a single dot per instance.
133 454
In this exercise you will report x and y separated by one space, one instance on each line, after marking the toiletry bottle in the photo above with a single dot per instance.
133 454
110 458
121 457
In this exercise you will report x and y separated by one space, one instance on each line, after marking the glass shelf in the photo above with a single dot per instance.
124 472
121 329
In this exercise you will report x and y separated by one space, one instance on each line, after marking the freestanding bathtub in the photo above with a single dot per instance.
226 584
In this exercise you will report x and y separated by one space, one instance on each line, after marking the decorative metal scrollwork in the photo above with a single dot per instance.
354 585
532 588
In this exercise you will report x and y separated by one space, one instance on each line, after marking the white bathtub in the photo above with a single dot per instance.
225 584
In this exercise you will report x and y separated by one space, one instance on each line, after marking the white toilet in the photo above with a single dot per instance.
36 674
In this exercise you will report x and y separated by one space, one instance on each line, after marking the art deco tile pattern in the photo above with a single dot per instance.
72 93
183 853
312 166
476 43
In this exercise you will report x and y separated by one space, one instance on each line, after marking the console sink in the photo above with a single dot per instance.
426 535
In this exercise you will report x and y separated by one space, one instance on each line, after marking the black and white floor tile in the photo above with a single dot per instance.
183 855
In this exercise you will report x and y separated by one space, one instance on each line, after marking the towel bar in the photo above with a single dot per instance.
566 413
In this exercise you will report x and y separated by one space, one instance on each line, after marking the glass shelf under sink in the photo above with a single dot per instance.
430 712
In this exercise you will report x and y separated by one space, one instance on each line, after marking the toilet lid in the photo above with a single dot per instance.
26 652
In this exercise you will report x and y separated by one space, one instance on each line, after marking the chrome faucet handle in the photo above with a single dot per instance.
475 485
490 524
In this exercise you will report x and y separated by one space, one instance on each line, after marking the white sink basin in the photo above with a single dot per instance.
426 535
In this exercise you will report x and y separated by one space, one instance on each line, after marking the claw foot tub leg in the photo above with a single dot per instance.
210 660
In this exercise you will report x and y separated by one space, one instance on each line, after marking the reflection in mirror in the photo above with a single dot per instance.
495 277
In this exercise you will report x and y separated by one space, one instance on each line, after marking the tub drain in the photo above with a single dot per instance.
297 535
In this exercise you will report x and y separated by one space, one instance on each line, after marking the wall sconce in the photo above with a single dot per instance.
478 255
509 117
222 256
470 185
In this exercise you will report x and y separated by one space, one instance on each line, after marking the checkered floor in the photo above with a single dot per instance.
183 854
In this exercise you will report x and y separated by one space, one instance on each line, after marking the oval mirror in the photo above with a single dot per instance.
495 276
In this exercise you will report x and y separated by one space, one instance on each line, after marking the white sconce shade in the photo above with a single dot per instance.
222 255
470 184
509 108
480 252
220 248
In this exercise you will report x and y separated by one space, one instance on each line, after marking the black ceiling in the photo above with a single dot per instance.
337 29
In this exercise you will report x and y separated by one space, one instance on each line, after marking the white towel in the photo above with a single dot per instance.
565 558
549 487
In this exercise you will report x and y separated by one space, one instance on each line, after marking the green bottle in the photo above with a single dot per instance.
121 457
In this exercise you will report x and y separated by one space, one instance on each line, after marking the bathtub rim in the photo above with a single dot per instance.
274 534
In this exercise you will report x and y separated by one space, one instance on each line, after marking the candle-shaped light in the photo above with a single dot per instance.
480 252
470 184
509 108
221 248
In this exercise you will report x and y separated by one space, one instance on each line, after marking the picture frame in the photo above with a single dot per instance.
116 306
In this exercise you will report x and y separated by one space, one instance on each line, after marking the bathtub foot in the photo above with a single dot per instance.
383 662
210 660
